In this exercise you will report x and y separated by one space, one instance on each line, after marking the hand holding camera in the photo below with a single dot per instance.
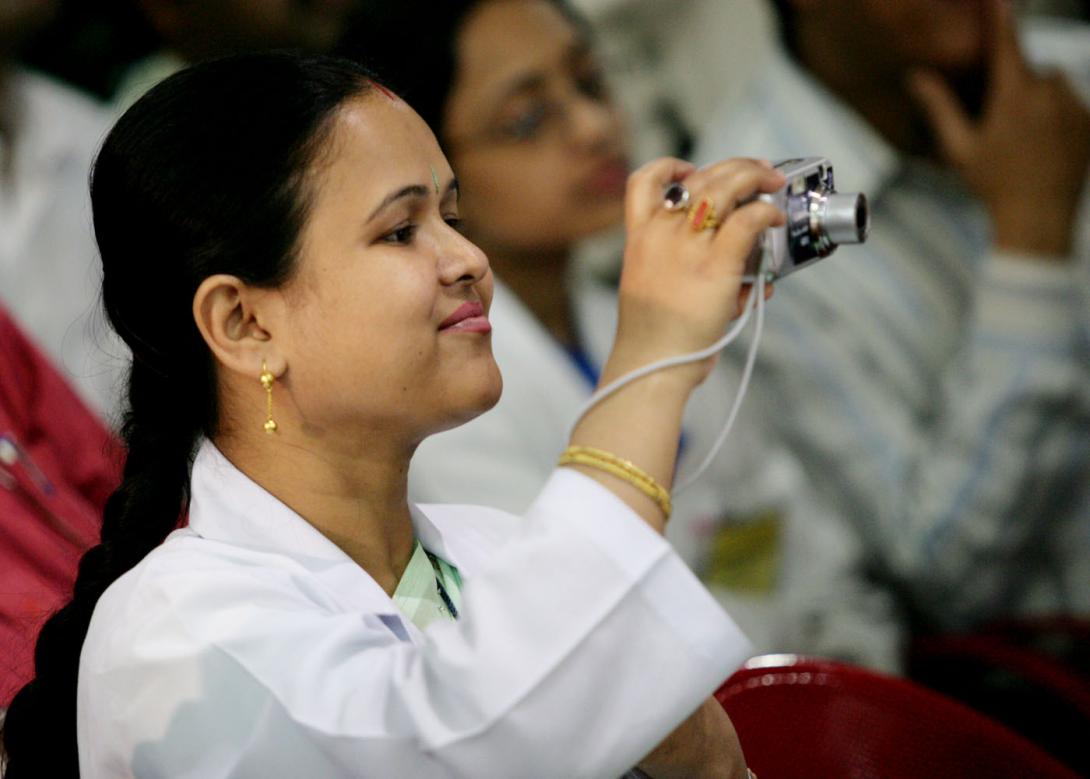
682 277
698 238
690 253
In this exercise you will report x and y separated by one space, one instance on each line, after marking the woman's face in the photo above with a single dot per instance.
536 141
385 324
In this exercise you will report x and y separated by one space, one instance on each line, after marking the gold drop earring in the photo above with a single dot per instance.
267 380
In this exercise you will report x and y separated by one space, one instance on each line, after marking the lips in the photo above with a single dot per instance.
608 178
468 317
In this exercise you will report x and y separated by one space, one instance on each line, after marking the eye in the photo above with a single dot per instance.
527 125
592 84
454 222
402 235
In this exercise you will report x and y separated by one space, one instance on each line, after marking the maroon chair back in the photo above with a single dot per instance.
1031 674
802 718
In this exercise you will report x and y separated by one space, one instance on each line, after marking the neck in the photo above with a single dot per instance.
540 281
7 123
357 497
877 93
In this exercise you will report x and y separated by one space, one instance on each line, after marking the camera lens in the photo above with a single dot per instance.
845 217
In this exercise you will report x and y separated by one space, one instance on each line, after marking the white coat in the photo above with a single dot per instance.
249 645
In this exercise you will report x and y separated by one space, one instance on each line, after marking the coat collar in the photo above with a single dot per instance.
229 507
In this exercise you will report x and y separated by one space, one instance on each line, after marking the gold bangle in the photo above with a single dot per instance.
622 469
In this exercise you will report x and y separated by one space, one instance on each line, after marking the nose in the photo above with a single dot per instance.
593 123
461 261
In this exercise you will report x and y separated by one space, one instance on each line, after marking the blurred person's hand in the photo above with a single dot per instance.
705 746
1027 154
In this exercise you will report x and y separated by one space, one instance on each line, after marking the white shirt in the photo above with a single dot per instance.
937 391
249 645
50 274
795 583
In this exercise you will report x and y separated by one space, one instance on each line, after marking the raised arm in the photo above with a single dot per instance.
680 287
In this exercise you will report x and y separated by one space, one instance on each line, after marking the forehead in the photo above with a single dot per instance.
504 40
377 144
914 16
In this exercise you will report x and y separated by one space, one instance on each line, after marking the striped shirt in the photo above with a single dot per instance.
936 390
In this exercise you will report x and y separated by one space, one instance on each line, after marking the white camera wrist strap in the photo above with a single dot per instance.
756 301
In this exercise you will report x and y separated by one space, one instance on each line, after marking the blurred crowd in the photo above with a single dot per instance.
911 467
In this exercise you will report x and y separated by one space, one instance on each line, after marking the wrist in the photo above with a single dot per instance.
678 380
625 470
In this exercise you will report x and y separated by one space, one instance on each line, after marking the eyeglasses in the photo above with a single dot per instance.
545 112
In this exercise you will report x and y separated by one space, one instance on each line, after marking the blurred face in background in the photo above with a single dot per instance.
201 28
891 35
531 131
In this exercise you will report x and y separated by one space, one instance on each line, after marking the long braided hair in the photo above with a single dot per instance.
206 174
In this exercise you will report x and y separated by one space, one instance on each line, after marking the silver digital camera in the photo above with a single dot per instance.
818 219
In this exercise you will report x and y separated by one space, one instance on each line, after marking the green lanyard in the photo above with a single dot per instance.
429 590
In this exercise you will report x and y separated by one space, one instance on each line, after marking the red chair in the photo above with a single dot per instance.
58 466
804 718
1031 675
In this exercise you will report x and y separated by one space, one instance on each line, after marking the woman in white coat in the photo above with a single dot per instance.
280 250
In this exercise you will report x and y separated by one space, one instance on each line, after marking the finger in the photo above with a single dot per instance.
737 235
643 195
1006 62
728 176
951 124
732 183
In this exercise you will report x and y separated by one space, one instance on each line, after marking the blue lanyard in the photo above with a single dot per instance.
590 371
447 601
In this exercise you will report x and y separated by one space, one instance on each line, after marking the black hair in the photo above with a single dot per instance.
205 174
424 73
786 15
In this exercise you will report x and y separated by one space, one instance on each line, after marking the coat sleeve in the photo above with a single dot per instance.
579 647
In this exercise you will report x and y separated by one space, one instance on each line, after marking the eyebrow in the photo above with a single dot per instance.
536 80
528 83
413 191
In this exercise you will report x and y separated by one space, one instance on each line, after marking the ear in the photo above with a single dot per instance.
234 319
